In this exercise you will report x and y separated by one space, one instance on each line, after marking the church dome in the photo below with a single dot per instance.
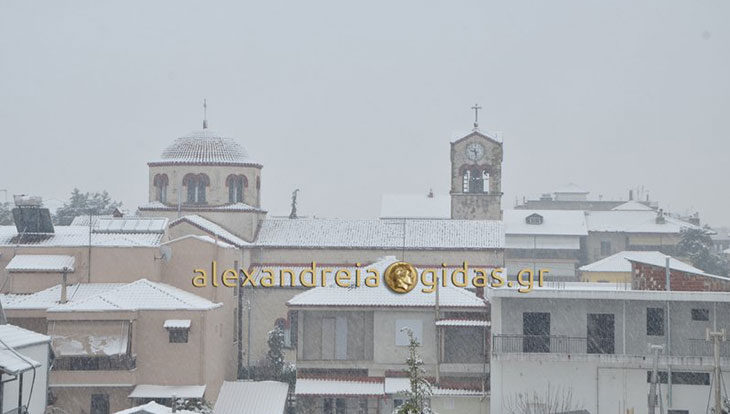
205 147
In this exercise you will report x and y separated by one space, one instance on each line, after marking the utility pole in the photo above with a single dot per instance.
653 394
716 337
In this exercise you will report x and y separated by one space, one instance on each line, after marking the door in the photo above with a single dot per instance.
328 338
536 332
600 333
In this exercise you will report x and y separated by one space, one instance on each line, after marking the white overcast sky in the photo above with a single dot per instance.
349 100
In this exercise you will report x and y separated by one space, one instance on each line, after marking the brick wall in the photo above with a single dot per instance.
650 277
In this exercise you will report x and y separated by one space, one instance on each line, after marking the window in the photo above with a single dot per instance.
485 181
236 184
178 336
655 321
534 219
536 332
195 184
160 183
401 336
99 404
700 314
605 248
682 377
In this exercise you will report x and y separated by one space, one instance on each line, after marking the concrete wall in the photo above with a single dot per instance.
569 318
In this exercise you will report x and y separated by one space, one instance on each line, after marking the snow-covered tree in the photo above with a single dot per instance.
195 406
80 204
417 397
275 356
553 400
696 244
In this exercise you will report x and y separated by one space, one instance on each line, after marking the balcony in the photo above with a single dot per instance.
684 352
554 344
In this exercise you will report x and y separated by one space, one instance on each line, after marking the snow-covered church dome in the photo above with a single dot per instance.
206 147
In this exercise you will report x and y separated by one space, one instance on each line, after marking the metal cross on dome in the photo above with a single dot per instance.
476 109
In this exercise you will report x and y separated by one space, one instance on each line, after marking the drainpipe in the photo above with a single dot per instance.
667 272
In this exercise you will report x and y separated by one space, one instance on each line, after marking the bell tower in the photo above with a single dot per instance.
476 176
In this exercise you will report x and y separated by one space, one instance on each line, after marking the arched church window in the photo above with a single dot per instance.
465 181
195 184
160 183
476 182
485 181
236 185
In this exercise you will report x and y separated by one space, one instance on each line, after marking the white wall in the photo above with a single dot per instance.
38 353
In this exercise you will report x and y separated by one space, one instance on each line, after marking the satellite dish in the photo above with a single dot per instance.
165 253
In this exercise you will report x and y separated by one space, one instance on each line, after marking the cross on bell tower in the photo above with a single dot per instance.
476 109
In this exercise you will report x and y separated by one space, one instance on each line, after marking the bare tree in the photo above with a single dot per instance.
552 401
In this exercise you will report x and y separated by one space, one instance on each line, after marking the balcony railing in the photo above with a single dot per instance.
510 344
556 344
95 363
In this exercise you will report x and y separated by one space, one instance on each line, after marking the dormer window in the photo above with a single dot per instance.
534 219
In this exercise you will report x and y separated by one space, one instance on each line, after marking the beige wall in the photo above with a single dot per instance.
216 193
77 400
108 264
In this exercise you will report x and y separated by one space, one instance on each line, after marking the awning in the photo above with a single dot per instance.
40 263
462 322
13 365
323 387
177 324
84 338
168 391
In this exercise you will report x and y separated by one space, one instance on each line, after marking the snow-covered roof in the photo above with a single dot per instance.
381 234
50 297
177 324
251 397
13 364
152 408
415 206
17 337
621 262
570 188
139 295
157 206
606 291
628 221
555 222
41 263
206 239
130 225
78 236
399 385
312 386
167 391
211 228
462 322
632 206
457 136
382 296
205 147
83 220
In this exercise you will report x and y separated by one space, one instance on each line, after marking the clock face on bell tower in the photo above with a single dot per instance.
476 177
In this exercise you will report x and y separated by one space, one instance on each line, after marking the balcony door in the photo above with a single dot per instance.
334 338
600 338
536 332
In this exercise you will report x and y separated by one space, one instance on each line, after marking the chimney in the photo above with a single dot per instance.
64 295
174 403
660 217
631 195
430 193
